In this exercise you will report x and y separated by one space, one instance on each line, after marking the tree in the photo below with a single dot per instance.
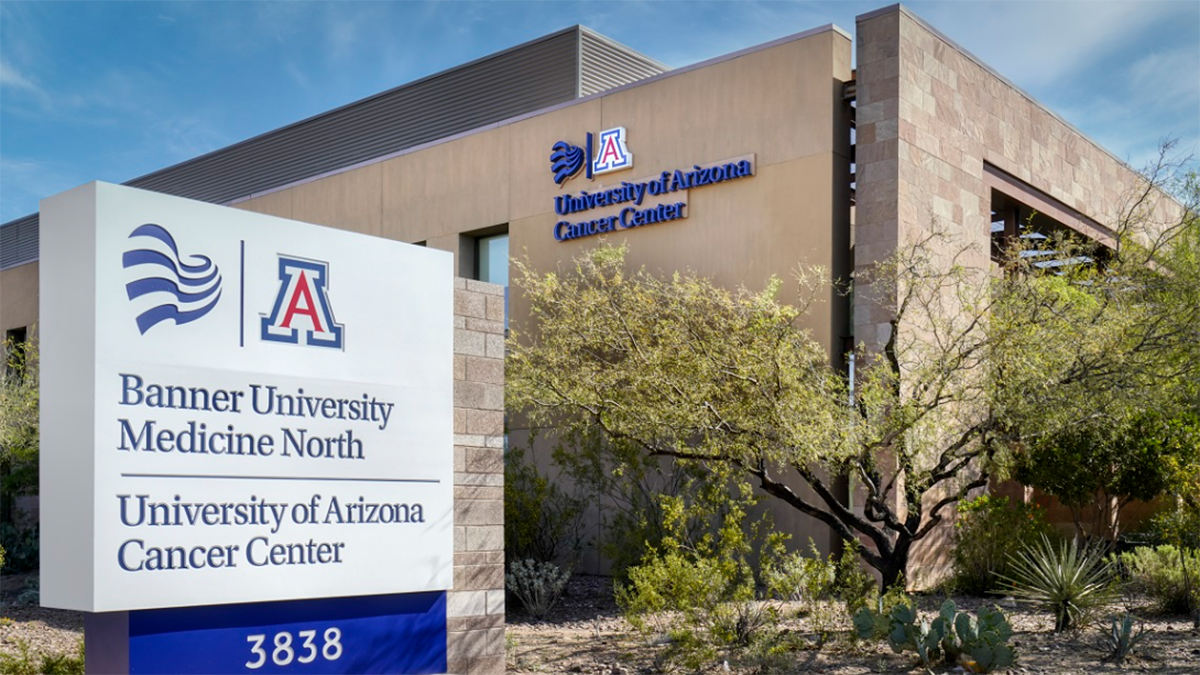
1121 337
977 365
1111 463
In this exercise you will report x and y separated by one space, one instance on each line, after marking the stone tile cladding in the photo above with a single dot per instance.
929 115
475 606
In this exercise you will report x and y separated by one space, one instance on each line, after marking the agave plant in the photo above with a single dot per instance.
1071 580
1122 640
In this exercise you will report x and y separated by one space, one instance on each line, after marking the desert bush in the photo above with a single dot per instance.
796 577
701 592
987 529
1168 575
825 588
538 585
27 662
21 547
851 583
628 487
1071 580
31 595
541 521
699 603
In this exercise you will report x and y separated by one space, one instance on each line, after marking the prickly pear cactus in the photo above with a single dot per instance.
986 640
990 657
979 642
864 623
965 628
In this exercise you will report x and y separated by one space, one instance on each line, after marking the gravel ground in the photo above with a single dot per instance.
45 631
586 634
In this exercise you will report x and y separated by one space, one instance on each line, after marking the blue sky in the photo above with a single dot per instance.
115 90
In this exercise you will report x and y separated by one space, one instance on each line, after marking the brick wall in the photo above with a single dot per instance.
475 607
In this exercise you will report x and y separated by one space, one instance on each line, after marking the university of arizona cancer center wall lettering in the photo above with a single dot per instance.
633 203
231 418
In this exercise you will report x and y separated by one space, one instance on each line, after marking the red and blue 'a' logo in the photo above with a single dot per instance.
611 154
302 315
597 157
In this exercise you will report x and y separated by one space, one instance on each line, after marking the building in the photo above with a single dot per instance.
739 167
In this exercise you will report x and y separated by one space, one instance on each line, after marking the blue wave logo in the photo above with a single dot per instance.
187 292
565 161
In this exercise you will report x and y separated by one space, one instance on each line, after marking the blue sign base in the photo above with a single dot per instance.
403 633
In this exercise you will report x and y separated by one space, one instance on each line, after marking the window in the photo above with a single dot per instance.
489 259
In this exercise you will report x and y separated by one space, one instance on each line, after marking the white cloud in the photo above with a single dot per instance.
26 181
11 77
186 137
341 38
1036 44
279 21
1138 103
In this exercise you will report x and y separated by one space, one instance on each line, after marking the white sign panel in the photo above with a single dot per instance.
237 407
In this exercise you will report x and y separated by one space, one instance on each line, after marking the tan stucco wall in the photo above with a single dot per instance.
781 104
18 297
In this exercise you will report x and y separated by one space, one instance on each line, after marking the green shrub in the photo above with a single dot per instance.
538 585
987 530
1071 580
819 585
21 547
541 521
1159 573
627 486
851 583
27 662
796 577
701 592
702 604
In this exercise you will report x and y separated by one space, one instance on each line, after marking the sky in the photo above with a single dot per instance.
115 90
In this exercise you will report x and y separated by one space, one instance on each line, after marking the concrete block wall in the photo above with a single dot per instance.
475 607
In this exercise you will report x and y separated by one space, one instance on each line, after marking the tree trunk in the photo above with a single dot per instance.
895 566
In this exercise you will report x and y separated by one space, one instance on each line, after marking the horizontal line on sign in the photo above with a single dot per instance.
324 478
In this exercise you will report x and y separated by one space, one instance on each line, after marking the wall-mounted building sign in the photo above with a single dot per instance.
238 408
605 156
647 201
